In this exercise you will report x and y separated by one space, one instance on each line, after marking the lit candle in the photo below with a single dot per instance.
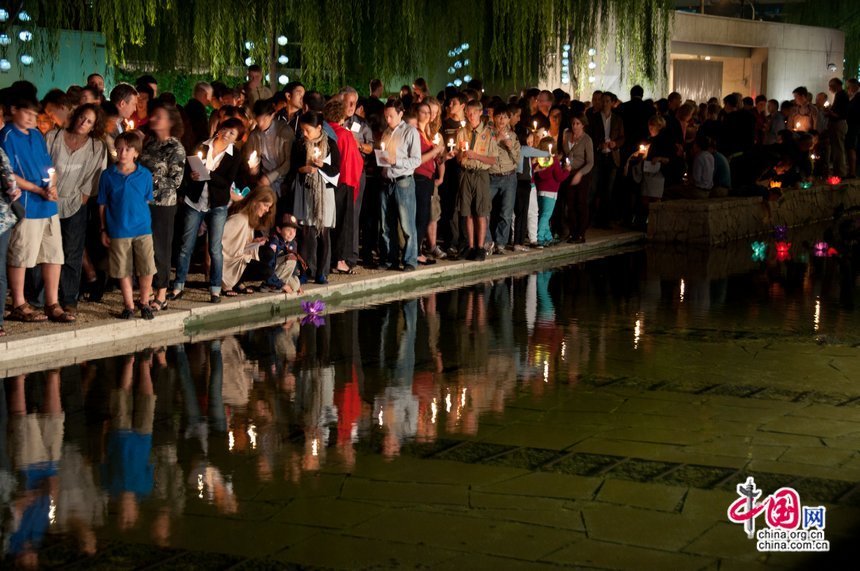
52 177
437 138
382 145
130 124
466 144
827 104
534 125
463 124
252 160
200 155
317 152
797 126
550 149
642 149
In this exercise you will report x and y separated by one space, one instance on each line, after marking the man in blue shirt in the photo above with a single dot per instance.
35 240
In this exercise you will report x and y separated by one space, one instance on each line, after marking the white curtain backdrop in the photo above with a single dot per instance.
698 80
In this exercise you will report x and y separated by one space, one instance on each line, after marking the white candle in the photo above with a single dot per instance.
130 124
52 177
797 126
317 152
534 125
462 124
252 160
550 149
436 139
200 155
467 145
642 148
382 145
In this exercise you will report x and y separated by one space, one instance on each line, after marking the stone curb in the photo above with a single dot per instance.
35 351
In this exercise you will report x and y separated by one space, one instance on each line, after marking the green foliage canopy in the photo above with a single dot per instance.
339 40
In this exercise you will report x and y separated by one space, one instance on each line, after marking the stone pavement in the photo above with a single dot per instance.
612 475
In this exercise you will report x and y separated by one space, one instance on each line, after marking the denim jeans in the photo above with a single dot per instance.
74 232
397 205
503 194
547 205
192 219
4 246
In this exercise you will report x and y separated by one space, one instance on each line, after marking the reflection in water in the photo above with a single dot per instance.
132 442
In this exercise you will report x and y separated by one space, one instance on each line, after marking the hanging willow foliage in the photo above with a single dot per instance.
358 39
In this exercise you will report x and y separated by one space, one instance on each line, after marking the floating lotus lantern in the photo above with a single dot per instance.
759 251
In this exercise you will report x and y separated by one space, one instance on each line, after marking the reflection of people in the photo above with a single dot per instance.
36 441
127 473
397 405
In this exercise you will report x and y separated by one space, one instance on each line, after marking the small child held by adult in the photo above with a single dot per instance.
125 190
285 262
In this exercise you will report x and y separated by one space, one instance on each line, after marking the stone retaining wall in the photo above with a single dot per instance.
721 220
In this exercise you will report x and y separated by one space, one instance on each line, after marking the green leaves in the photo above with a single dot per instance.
352 40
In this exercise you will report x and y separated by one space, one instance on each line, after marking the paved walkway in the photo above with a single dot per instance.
99 333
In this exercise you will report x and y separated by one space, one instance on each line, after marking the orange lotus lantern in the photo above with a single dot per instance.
776 184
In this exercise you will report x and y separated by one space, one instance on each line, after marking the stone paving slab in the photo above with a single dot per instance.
457 532
651 496
643 528
593 553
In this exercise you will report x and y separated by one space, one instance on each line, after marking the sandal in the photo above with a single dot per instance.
25 313
127 313
156 305
2 331
230 293
243 289
56 314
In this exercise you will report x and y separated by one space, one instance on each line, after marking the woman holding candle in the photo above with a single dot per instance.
207 200
580 162
80 156
164 155
244 253
428 177
314 199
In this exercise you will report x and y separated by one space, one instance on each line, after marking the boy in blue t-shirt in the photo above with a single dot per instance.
37 238
125 190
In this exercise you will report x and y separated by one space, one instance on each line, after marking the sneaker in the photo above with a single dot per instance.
438 253
489 246
146 312
480 255
453 252
127 313
471 254
536 246
498 250
521 248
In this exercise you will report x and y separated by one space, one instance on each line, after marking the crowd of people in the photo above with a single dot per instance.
286 187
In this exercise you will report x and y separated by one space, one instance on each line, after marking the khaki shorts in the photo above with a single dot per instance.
473 198
127 254
37 438
435 206
36 241
132 412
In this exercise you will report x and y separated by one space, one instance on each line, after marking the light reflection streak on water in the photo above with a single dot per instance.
252 434
683 289
448 401
434 409
816 319
315 447
231 441
546 371
637 332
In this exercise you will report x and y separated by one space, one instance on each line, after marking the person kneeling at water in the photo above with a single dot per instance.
285 263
